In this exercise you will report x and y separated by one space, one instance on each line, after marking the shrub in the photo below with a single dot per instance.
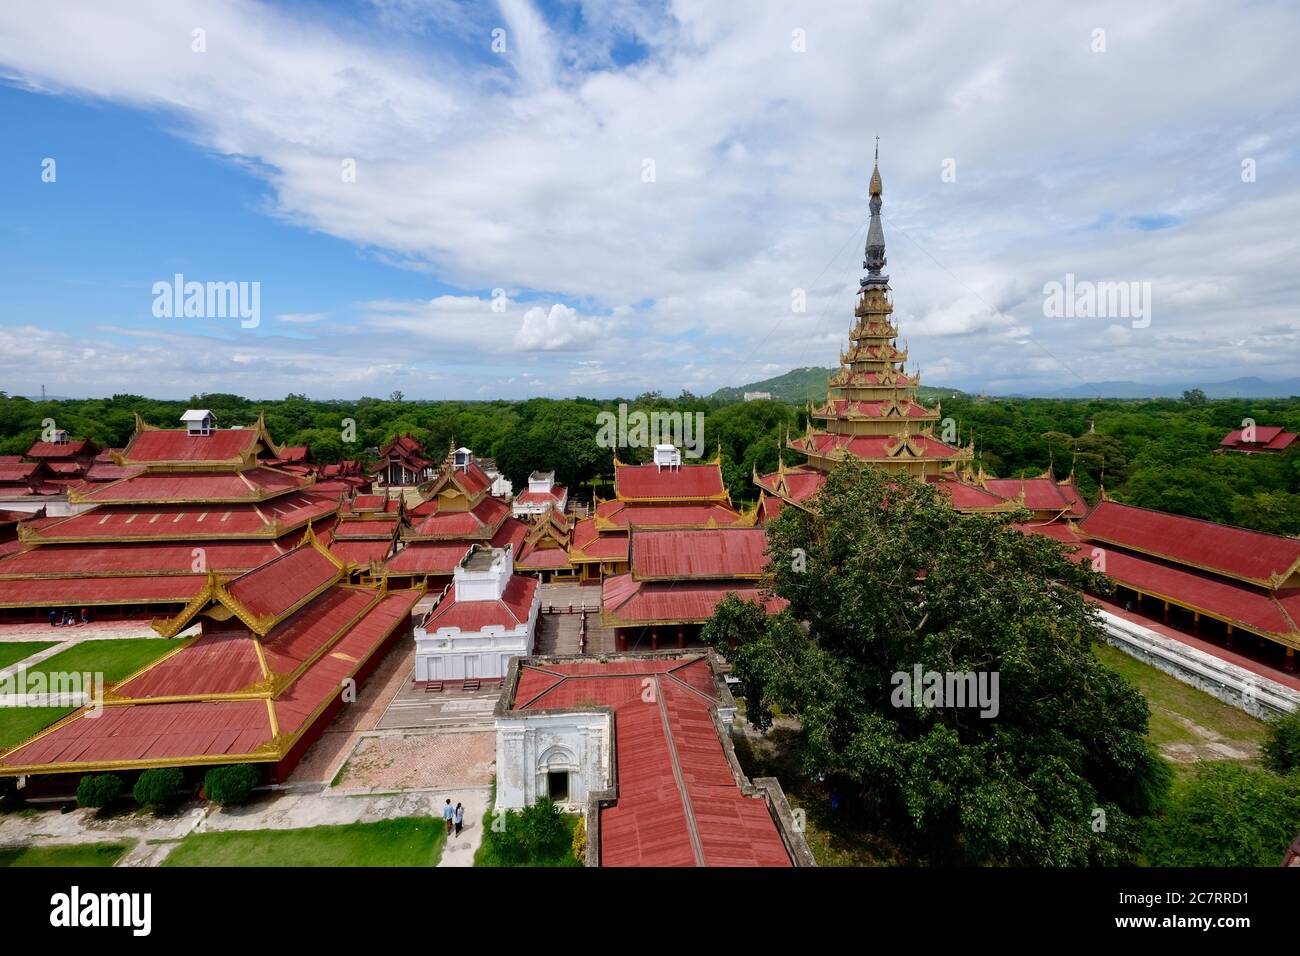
231 785
98 789
158 788
534 833
580 841
1226 815
1281 752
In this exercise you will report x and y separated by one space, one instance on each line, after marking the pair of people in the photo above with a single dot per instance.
453 817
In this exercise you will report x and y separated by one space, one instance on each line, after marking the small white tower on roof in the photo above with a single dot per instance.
199 421
667 456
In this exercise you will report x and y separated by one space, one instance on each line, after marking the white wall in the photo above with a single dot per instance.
530 745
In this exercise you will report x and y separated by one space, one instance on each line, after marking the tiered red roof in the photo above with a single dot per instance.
678 577
176 506
1268 560
652 482
1268 438
308 634
679 798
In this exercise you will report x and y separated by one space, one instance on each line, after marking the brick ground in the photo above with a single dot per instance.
441 761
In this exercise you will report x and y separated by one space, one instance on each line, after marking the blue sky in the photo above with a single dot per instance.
631 196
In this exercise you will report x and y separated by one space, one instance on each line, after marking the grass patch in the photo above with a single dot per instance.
80 854
840 837
19 723
1171 699
15 651
406 841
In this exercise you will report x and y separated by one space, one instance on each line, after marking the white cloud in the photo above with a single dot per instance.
524 172
555 330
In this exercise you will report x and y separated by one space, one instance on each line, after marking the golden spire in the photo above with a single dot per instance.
875 172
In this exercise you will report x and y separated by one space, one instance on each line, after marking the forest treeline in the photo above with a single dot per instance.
1155 453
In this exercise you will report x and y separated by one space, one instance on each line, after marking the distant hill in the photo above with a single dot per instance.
1249 387
809 383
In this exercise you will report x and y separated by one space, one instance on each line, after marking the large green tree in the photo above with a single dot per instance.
884 577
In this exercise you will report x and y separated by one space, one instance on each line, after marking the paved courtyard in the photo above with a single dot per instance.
418 761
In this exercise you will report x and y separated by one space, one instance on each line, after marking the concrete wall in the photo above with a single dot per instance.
1251 692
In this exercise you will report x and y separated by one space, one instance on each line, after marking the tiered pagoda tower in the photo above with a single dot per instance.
872 412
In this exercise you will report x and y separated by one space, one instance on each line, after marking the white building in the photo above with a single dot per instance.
563 755
667 456
758 396
199 421
487 615
542 495
502 487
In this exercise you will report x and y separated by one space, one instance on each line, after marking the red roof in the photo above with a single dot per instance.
68 449
699 553
76 560
1267 438
121 589
158 732
360 552
434 523
190 521
427 557
624 514
374 528
222 445
273 588
840 408
626 601
1041 494
651 482
322 643
543 559
678 801
1265 559
608 546
878 446
253 484
1246 606
512 609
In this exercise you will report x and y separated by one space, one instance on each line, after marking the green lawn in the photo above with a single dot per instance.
114 659
1175 704
81 854
406 841
13 652
19 723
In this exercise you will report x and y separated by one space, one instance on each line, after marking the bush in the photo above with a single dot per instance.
231 785
580 841
1281 752
158 788
1227 815
98 789
533 833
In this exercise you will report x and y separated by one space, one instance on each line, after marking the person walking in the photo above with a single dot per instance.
459 818
447 814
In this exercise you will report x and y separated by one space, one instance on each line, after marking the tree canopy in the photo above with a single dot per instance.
886 577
